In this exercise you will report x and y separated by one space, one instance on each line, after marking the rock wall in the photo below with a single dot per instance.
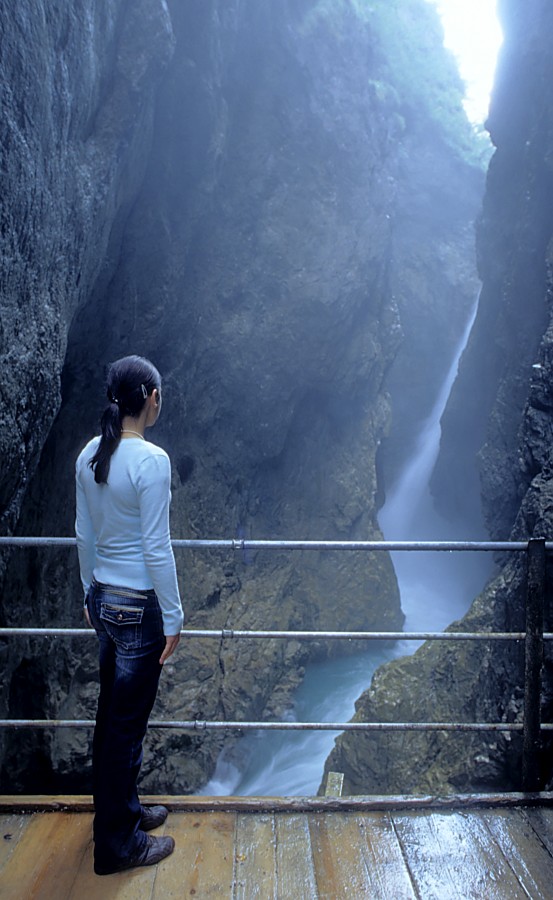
496 439
480 447
79 82
78 86
257 264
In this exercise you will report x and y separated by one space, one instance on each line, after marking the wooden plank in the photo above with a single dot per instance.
255 858
498 855
389 876
452 856
16 802
45 802
334 784
47 857
202 863
294 857
541 821
340 868
527 856
12 827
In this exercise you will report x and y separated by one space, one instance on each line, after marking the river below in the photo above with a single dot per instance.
436 588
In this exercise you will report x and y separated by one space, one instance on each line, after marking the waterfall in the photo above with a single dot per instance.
435 589
407 506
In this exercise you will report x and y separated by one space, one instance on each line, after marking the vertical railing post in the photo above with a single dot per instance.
533 659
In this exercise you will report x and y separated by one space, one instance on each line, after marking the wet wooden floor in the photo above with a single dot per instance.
293 855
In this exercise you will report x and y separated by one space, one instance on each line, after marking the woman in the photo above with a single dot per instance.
132 600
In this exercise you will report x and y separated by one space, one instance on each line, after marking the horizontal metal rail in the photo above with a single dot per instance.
232 544
199 725
236 634
533 638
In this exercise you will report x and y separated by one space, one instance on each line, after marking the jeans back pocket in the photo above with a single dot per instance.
122 623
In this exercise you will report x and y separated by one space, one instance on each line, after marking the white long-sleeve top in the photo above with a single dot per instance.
122 527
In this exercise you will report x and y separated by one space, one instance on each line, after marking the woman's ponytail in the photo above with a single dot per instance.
111 435
130 381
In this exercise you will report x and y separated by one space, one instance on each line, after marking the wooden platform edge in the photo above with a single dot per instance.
193 803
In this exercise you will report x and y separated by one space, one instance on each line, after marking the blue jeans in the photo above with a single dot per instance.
130 632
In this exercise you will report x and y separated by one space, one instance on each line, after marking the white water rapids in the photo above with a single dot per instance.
435 588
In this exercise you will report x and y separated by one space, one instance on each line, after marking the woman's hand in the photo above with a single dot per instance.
87 617
171 641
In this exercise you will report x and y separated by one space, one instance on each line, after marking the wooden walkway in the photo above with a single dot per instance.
290 854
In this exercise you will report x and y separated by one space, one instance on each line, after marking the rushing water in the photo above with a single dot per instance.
435 588
290 763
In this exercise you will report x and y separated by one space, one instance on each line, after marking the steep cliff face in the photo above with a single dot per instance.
77 103
258 268
78 87
498 424
480 447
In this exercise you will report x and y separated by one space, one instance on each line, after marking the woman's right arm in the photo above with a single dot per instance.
171 642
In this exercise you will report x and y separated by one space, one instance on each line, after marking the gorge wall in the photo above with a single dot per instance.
497 441
77 108
246 193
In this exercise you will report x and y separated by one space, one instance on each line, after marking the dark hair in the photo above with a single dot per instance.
130 381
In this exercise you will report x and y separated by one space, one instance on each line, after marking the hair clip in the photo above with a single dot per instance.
144 391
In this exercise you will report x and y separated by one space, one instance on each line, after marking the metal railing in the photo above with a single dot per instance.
533 637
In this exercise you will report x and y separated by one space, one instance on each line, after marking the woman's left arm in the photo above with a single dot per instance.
85 534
